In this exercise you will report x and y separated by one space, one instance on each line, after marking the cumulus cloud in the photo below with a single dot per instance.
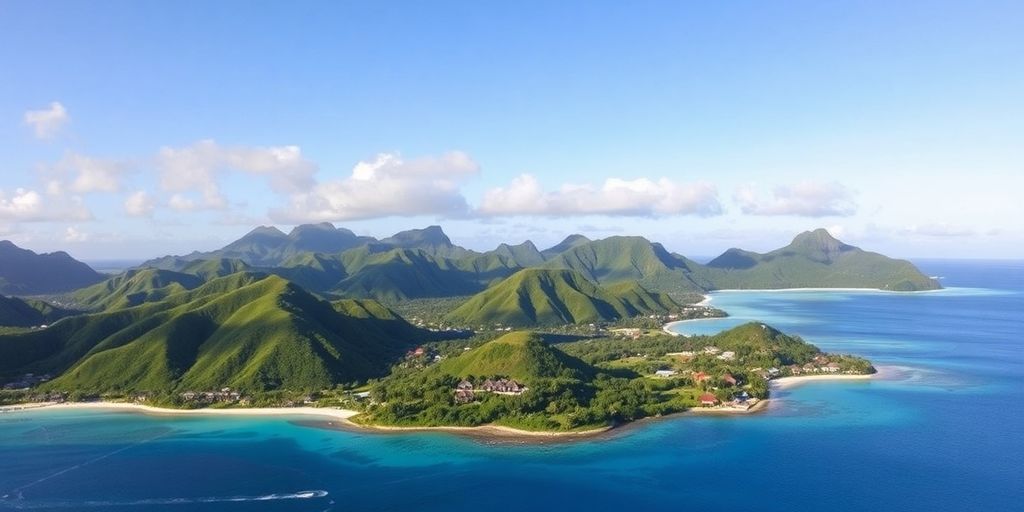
384 186
72 234
196 168
91 174
47 122
26 205
804 199
638 197
182 203
139 204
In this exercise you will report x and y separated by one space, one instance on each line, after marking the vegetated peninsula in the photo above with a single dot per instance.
522 381
318 317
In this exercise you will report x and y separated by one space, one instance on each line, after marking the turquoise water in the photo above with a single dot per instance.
941 430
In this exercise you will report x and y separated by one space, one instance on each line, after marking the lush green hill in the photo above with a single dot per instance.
523 255
208 269
431 240
521 355
246 331
569 242
134 287
556 297
15 312
815 259
400 274
632 258
23 272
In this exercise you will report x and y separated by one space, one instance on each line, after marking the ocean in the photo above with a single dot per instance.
941 428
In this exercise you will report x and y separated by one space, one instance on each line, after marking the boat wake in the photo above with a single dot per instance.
18 502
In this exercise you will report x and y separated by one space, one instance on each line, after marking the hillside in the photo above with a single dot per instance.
15 312
556 297
23 272
246 331
632 258
523 356
815 259
134 287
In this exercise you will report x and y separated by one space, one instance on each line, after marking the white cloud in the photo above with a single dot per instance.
638 197
139 204
805 199
47 122
939 230
384 186
28 206
72 234
182 203
195 168
92 174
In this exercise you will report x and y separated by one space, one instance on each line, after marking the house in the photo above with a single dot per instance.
464 385
773 372
728 355
700 377
795 369
665 373
503 386
830 368
712 350
464 396
708 400
728 379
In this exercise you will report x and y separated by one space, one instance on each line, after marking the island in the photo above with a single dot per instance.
413 331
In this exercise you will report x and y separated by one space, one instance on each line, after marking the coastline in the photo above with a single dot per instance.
791 382
342 414
483 431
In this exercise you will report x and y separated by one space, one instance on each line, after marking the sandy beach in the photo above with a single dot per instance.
790 382
759 406
496 431
342 414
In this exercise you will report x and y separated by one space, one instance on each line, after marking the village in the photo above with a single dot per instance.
466 391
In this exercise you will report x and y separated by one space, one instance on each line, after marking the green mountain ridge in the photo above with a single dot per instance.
23 272
521 355
554 297
17 312
246 331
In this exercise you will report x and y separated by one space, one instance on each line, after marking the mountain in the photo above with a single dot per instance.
15 312
268 246
523 255
134 287
632 258
246 331
431 240
400 274
23 272
815 259
523 356
569 242
556 297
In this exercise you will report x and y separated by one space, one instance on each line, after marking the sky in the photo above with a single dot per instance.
136 129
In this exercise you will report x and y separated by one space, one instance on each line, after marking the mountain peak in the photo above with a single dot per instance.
819 245
265 230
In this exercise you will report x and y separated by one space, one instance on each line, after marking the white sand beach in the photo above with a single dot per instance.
790 382
341 414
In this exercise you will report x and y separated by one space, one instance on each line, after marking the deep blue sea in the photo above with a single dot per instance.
942 428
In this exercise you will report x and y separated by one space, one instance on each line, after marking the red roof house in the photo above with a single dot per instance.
708 399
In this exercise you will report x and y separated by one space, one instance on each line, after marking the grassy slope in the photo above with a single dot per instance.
15 312
246 331
134 287
556 297
622 258
815 259
523 356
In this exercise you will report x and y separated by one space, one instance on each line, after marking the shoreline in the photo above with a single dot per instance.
794 381
481 431
820 289
342 414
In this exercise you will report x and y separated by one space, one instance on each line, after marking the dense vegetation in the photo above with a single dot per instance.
590 382
15 312
556 297
246 331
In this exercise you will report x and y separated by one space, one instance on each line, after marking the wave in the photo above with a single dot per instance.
18 501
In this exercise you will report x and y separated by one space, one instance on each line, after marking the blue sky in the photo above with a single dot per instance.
135 129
